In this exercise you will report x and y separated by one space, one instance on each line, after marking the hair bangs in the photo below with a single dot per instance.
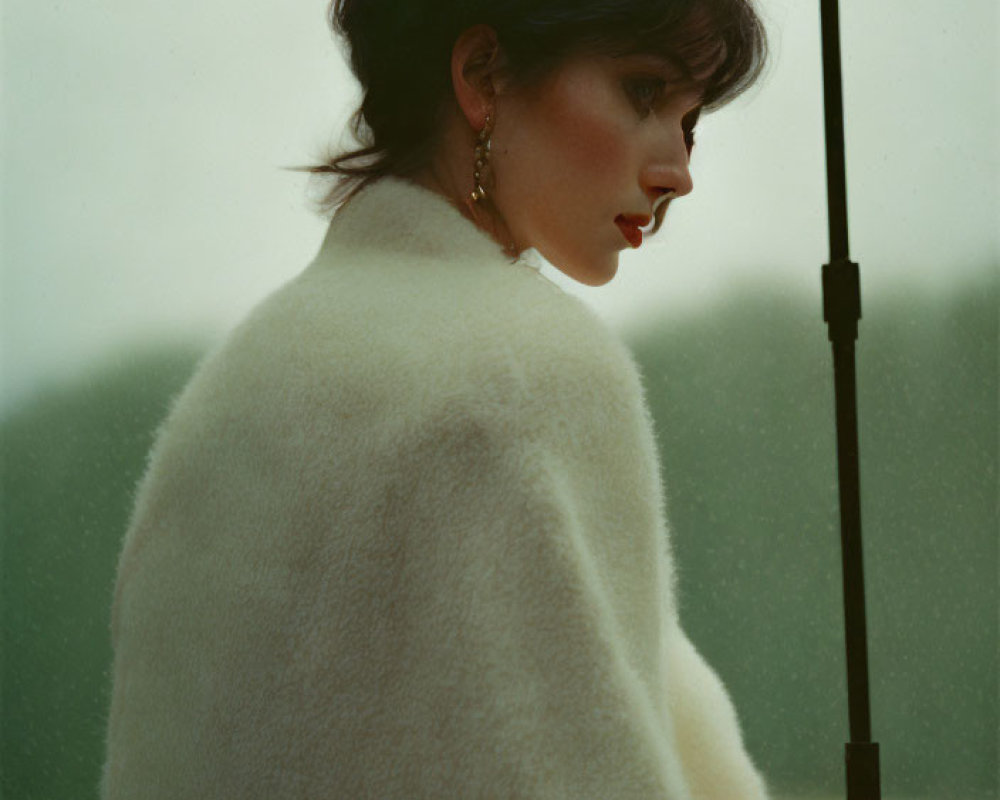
719 45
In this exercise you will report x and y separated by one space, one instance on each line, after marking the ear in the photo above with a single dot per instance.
475 61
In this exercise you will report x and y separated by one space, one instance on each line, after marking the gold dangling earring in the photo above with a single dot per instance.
481 161
479 199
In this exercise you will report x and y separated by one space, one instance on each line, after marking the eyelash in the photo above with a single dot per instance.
645 93
689 138
689 123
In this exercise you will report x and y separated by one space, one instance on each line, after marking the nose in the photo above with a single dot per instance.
667 169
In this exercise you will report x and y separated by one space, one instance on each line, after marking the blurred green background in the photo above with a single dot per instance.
142 194
743 404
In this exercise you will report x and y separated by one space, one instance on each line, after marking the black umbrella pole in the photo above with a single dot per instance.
842 310
861 753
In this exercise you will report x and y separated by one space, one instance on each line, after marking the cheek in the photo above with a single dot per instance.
594 145
591 132
565 158
572 133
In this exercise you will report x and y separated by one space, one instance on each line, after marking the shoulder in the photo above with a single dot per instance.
407 308
346 358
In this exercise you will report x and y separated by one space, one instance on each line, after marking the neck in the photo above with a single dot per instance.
450 175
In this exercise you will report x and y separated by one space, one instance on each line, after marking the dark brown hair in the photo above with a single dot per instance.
400 52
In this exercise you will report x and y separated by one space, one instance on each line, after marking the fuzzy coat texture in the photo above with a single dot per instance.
402 536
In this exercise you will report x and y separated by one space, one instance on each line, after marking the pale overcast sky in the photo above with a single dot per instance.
143 196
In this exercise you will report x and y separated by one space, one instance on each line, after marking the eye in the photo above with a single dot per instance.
644 92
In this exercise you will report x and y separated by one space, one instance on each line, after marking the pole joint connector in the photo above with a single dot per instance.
842 299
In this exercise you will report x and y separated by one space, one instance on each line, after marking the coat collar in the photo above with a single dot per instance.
394 214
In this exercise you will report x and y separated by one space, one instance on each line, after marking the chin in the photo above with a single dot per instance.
589 272
594 280
596 274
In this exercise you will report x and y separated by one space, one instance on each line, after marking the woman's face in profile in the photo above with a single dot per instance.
582 159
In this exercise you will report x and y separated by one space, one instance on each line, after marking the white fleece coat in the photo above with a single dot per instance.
402 536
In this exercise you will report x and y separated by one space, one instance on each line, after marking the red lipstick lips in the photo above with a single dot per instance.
630 224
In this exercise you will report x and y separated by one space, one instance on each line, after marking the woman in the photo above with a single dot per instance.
402 535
